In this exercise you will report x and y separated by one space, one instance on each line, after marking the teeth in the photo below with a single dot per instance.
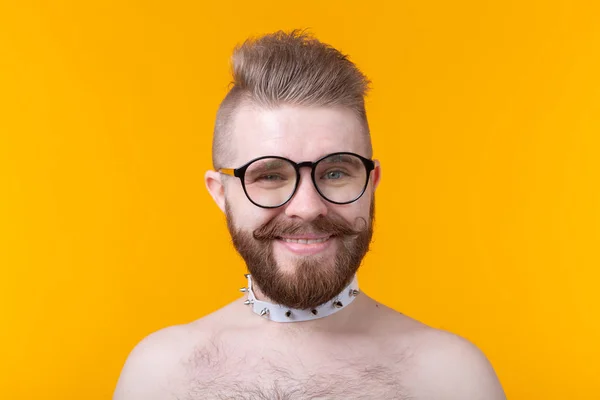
305 241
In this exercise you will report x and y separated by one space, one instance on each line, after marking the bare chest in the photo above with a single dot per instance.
221 372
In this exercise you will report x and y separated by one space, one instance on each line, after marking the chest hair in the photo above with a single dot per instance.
217 372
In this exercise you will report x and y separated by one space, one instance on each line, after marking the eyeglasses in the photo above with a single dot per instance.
271 181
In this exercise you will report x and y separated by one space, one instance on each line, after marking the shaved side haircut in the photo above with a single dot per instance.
288 68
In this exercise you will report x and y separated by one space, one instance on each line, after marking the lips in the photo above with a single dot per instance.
305 245
304 240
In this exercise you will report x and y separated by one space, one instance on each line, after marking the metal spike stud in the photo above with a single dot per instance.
338 304
354 292
243 290
288 314
315 312
246 276
264 313
248 302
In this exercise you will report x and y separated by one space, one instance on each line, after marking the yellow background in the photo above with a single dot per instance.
485 116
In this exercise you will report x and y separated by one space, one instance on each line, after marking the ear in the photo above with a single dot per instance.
214 184
376 174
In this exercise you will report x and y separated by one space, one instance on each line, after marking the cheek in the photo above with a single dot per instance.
247 216
358 209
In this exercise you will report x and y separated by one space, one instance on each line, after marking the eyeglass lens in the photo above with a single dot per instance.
340 178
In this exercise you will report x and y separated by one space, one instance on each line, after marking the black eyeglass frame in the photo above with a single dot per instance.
241 172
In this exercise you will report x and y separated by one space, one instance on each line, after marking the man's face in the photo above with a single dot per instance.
305 252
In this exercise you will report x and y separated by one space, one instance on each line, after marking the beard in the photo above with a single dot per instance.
315 279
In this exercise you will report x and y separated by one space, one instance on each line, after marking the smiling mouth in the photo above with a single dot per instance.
307 244
305 241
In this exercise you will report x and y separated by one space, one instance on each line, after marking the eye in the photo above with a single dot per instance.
335 174
270 178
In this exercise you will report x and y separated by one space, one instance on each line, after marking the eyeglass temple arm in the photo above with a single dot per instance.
226 171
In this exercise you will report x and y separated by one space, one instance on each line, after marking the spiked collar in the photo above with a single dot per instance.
279 313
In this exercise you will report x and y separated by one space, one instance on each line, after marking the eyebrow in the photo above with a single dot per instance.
270 164
340 158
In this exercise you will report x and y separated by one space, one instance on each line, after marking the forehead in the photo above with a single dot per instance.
295 132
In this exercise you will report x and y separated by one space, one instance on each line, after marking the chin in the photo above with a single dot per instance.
289 264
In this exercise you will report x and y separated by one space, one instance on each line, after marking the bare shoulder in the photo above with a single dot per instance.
438 364
448 367
160 362
155 362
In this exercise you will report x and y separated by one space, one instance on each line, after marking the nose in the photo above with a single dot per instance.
306 203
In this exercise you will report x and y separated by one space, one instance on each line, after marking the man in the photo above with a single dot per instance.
294 175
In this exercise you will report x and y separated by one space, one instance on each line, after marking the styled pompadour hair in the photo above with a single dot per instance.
291 68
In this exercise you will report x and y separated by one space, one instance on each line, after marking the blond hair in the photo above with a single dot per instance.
292 68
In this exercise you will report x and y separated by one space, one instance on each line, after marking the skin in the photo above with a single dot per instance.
429 363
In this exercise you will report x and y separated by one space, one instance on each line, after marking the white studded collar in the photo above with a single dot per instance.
279 313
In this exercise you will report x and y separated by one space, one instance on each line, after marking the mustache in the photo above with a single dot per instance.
333 225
